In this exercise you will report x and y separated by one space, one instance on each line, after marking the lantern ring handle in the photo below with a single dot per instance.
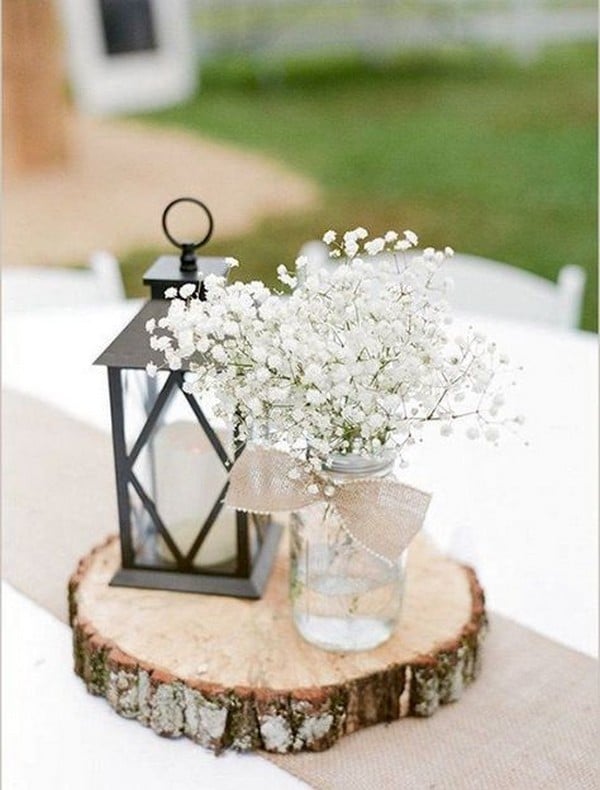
189 245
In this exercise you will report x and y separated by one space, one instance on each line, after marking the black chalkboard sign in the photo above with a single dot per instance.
128 26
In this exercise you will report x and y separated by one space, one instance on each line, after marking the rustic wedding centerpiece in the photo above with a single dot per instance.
329 384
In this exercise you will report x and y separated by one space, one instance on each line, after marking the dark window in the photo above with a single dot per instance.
128 26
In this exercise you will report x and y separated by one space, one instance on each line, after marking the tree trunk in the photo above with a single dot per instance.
34 109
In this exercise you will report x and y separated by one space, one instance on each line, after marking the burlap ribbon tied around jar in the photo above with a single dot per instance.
382 515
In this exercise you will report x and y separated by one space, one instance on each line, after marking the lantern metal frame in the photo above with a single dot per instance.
130 350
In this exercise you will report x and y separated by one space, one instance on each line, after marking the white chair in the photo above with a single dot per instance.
32 287
497 289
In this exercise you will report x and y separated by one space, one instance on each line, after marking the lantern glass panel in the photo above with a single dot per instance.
142 529
184 476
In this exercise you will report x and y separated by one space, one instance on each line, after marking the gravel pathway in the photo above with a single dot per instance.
118 180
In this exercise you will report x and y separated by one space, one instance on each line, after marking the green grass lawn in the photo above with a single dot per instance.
472 150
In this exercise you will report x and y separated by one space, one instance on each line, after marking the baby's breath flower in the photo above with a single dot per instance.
173 360
187 290
170 293
350 247
285 277
375 246
160 343
492 433
357 360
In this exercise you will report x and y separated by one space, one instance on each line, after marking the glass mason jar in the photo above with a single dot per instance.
344 597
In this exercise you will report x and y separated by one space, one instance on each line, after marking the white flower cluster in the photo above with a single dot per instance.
355 360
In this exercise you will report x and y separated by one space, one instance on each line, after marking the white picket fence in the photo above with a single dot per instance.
382 27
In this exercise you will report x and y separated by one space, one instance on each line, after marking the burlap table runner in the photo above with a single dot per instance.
58 497
529 721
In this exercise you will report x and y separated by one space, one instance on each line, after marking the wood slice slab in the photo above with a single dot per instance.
233 673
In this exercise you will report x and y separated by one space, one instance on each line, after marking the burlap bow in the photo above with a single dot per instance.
382 515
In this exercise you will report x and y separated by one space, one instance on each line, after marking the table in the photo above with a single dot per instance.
526 515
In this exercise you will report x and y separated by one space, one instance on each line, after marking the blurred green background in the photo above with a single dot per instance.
471 148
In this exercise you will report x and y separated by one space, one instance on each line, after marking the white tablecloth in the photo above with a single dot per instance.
56 736
525 515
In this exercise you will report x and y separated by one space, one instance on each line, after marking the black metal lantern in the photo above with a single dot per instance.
172 458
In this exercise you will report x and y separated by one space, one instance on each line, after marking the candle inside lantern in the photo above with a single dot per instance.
189 479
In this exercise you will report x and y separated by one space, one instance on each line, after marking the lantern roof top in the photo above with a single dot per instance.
131 347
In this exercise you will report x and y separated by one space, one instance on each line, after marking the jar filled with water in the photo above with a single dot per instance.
343 596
